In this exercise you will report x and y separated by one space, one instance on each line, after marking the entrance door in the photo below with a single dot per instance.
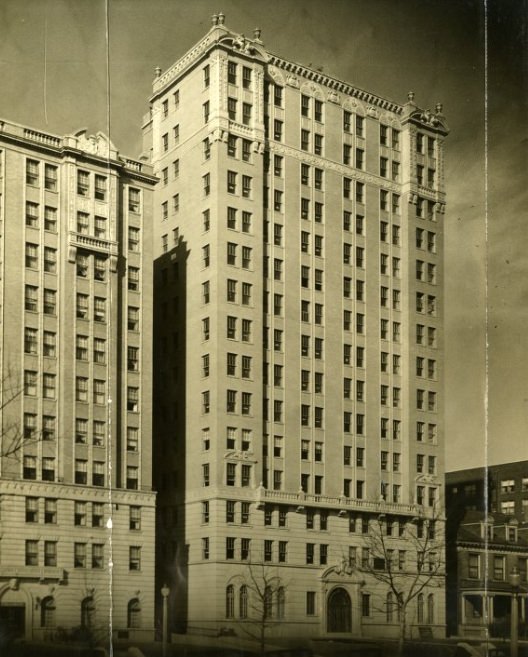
12 621
339 611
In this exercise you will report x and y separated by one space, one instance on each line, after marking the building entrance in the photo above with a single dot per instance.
339 611
12 621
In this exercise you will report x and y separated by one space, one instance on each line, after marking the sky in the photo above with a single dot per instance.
53 67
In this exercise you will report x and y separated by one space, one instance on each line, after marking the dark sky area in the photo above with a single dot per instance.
53 67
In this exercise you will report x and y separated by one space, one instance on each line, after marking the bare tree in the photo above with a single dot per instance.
11 432
14 434
262 598
418 566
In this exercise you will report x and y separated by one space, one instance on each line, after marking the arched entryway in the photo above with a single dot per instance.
338 611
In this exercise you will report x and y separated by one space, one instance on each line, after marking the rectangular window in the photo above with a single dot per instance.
100 188
98 473
305 106
247 110
134 558
246 77
232 108
305 140
318 144
99 395
498 568
31 258
32 172
231 182
32 214
310 603
318 110
232 72
133 279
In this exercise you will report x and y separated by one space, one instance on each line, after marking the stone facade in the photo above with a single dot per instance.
298 336
77 519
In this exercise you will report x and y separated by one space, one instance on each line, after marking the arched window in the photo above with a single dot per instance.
281 601
88 613
243 601
230 601
390 605
420 608
134 613
47 612
268 602
430 608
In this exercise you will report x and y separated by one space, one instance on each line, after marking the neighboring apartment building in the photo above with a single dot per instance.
77 521
501 488
491 499
480 561
298 337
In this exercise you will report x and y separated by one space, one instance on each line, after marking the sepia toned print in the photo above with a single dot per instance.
254 384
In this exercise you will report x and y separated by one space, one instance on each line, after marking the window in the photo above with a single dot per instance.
246 113
305 240
97 555
318 144
50 219
31 553
246 77
134 558
347 149
305 140
305 311
498 568
231 182
277 130
360 158
32 509
232 72
32 172
231 108
100 188
132 439
31 258
232 142
48 427
32 214
347 188
246 150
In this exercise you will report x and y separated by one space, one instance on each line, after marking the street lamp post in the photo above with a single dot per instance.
165 628
515 579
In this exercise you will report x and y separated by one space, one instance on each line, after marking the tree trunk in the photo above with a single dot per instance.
401 637
263 638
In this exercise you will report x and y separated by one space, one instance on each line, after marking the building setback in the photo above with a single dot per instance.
75 457
298 274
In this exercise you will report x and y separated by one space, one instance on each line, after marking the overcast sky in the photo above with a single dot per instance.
53 73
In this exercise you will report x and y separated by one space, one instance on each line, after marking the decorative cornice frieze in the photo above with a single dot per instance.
354 174
333 83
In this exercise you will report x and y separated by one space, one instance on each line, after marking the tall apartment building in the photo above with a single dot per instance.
77 506
298 338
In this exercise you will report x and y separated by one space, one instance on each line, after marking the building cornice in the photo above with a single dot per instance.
220 37
490 545
77 492
97 149
335 84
